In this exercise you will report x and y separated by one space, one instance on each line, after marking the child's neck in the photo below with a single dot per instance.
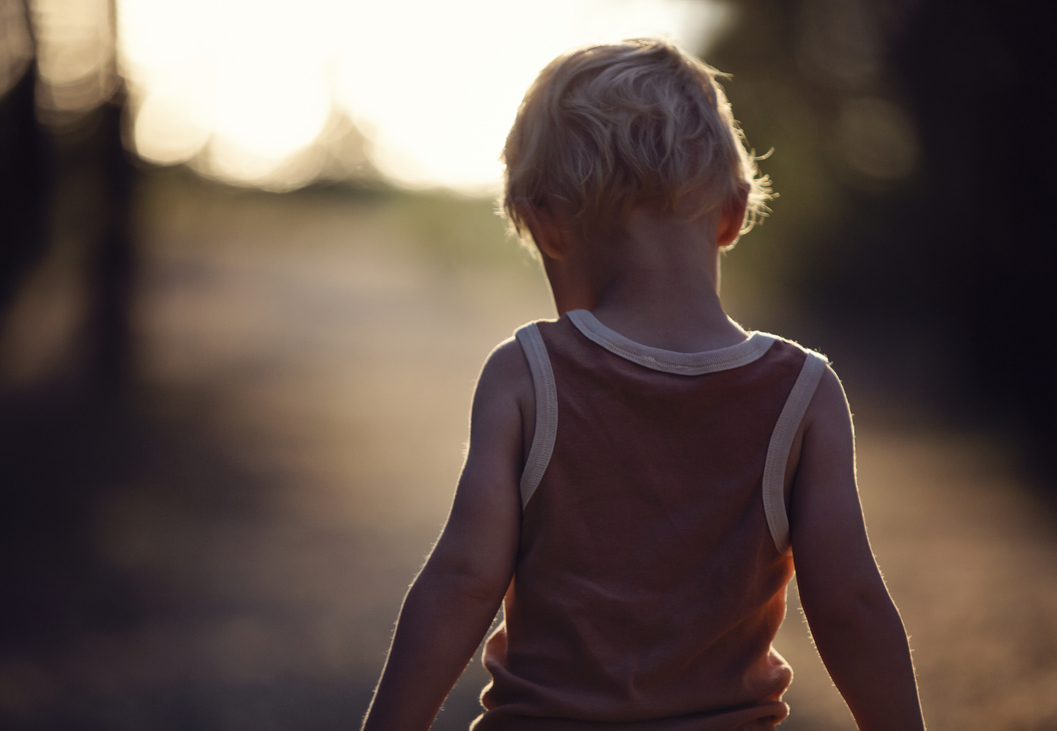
657 284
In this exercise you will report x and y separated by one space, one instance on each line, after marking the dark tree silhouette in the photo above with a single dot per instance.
34 157
943 278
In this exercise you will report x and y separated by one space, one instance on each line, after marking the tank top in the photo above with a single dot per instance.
653 558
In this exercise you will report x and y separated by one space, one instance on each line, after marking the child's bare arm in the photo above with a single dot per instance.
856 627
455 597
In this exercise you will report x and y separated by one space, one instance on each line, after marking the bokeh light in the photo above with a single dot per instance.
74 53
878 139
15 46
243 89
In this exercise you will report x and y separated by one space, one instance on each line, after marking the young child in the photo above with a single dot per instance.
643 472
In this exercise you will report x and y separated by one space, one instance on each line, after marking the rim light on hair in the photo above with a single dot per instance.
606 128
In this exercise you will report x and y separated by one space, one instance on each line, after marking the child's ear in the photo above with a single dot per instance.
547 232
731 220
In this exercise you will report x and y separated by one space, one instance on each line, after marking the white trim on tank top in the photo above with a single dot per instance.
539 455
785 429
668 361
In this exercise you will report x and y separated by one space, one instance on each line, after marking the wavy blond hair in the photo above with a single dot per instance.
608 127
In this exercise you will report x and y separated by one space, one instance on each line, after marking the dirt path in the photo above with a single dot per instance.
299 430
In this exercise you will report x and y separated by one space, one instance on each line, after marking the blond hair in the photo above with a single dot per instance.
606 128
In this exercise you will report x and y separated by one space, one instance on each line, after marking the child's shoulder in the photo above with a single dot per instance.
823 407
817 367
790 345
505 368
506 377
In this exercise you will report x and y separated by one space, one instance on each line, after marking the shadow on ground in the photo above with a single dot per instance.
116 612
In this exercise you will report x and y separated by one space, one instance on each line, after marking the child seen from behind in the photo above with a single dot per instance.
642 473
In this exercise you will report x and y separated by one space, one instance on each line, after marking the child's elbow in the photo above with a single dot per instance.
467 581
850 609
477 587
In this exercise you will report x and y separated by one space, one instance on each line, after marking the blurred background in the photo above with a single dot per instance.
250 266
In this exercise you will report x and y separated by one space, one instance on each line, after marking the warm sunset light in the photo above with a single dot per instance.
257 92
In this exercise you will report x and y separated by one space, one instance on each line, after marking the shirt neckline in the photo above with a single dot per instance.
671 361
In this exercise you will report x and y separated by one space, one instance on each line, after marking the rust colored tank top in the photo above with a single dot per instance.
653 560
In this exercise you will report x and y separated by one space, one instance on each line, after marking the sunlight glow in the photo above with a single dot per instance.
74 46
244 89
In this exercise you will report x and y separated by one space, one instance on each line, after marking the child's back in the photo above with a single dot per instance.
652 563
642 472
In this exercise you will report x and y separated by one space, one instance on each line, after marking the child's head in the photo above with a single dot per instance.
607 128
